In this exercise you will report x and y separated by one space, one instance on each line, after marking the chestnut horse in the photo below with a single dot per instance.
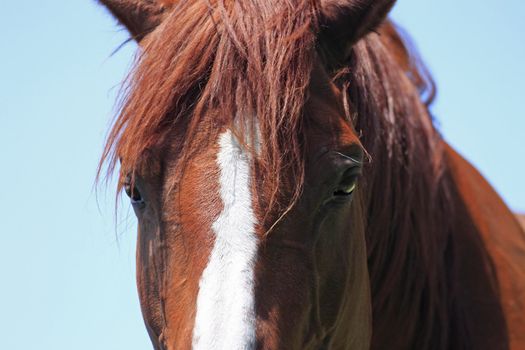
292 191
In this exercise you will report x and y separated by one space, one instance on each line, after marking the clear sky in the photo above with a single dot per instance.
67 282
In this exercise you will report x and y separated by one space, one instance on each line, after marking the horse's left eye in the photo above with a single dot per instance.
347 187
133 193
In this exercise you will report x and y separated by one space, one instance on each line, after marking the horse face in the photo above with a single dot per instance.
216 267
214 272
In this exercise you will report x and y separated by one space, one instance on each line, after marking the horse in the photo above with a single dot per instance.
292 191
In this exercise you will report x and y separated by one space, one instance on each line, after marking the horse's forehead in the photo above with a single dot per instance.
330 123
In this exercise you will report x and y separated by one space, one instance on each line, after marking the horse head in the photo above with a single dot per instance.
241 159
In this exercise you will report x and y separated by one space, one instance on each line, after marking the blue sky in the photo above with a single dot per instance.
67 281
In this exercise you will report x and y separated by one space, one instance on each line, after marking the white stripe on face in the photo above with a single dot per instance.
225 316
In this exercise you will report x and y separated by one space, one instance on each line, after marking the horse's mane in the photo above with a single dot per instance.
223 59
412 200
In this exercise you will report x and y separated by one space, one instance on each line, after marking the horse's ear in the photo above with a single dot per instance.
344 22
140 17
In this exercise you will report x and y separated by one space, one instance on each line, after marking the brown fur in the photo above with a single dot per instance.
521 219
227 70
407 199
442 275
419 240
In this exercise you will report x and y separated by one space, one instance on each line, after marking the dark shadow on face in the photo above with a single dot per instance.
312 280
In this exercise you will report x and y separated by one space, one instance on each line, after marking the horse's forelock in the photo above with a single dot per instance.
219 60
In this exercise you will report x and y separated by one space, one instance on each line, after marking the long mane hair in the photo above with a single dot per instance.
222 59
407 189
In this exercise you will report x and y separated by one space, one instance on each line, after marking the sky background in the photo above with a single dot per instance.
67 281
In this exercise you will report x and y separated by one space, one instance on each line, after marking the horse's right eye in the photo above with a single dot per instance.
133 193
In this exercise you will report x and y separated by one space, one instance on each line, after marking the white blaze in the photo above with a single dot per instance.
225 316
